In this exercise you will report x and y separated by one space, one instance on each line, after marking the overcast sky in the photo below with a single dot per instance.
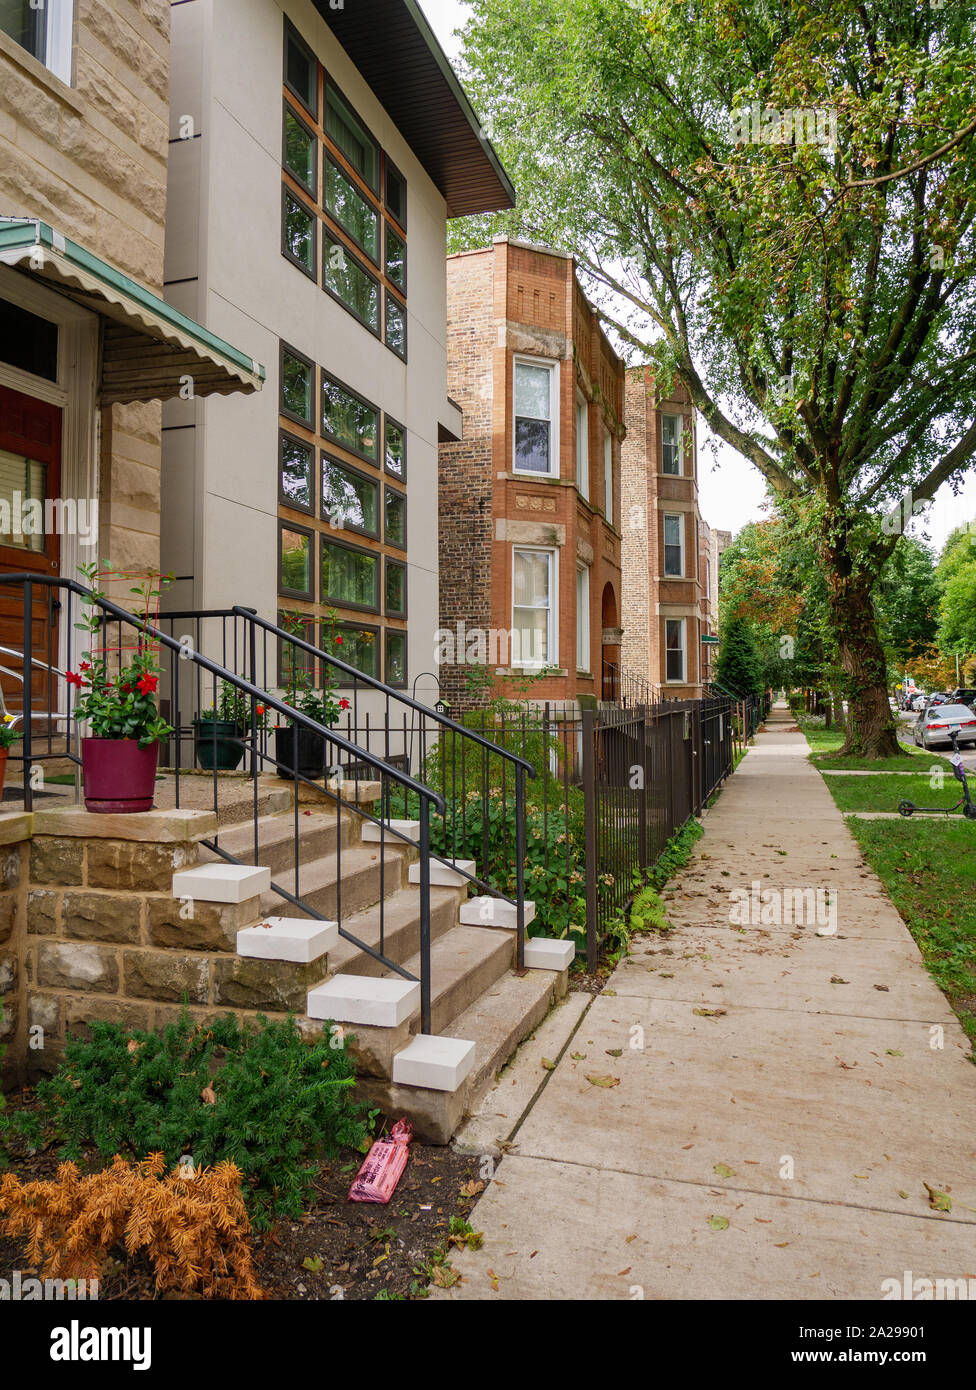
731 490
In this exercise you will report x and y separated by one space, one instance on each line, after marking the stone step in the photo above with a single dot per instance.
318 832
496 1022
549 953
301 940
485 911
401 930
433 1061
221 883
372 830
444 875
366 878
464 962
371 1000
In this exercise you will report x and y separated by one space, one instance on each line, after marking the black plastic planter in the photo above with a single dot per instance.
217 744
311 752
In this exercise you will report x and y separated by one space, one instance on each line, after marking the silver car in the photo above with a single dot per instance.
936 724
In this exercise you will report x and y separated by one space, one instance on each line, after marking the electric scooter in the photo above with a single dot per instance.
908 808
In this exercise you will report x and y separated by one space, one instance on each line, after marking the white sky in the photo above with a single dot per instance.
731 490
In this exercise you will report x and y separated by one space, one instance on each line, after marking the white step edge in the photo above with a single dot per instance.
485 911
296 939
547 953
222 883
442 874
409 828
440 1064
371 1000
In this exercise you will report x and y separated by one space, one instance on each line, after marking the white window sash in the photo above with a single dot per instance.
582 618
676 680
679 444
59 34
553 370
552 628
675 516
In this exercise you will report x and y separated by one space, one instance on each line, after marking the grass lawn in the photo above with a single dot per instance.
883 793
824 745
929 870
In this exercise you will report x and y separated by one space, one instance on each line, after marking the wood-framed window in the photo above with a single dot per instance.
582 618
395 589
299 233
395 449
329 154
582 446
536 417
350 419
296 561
350 575
296 473
297 385
350 498
671 445
674 545
534 613
300 150
674 650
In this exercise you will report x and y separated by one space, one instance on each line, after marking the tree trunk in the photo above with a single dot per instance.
871 729
837 700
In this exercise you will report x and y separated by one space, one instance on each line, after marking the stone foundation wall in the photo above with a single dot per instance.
96 934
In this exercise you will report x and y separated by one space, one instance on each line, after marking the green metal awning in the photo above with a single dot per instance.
148 347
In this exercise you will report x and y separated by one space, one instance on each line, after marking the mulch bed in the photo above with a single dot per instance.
337 1250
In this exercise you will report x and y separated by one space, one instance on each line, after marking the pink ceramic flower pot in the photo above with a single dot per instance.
119 776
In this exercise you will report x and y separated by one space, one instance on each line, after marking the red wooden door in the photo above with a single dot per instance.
30 476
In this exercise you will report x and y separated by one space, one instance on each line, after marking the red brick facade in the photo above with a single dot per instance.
512 303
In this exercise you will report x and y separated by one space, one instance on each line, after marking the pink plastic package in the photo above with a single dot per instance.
383 1166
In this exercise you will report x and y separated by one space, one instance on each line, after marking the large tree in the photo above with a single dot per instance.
781 195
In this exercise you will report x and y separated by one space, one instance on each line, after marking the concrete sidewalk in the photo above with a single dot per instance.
789 1084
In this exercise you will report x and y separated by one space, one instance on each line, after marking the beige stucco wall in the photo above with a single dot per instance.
220 523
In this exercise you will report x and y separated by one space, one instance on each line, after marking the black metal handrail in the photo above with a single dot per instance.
426 796
521 767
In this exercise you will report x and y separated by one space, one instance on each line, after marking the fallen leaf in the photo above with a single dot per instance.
622 1272
208 1095
471 1189
614 1051
938 1201
709 1013
549 1066
723 1170
445 1276
578 1056
836 980
719 1223
314 1264
606 1081
893 1052
628 1239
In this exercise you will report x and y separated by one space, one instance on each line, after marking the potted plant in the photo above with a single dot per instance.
118 702
8 736
298 748
220 730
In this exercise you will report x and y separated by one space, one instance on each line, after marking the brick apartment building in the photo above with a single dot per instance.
670 554
530 504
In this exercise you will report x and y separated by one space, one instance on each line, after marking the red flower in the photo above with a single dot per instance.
85 666
343 704
259 709
73 678
148 684
338 641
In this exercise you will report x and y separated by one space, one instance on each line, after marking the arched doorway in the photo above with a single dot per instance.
612 637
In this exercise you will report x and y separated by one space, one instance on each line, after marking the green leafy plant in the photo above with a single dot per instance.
9 733
257 1096
234 707
319 702
122 703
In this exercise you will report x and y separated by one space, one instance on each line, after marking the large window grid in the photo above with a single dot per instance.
357 194
342 529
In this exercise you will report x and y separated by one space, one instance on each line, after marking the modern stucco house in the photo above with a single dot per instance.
316 153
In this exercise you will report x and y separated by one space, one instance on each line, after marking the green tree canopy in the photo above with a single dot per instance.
774 204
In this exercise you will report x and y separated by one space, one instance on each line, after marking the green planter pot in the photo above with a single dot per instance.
217 744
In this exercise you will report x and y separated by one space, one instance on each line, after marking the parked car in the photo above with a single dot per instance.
939 698
919 702
936 723
964 695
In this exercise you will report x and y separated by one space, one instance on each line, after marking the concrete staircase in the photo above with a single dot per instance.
481 1008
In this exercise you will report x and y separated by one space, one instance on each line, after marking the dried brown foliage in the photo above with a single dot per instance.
193 1227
